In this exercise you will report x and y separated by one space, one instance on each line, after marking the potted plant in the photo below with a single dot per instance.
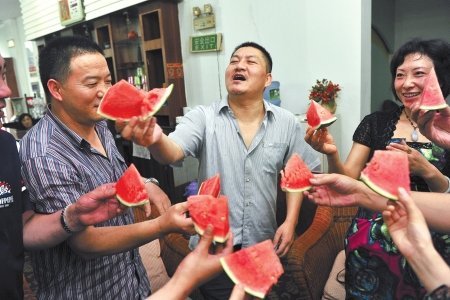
325 93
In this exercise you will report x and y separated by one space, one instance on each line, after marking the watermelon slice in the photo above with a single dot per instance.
386 172
210 186
256 268
432 97
206 209
296 175
318 116
130 188
125 101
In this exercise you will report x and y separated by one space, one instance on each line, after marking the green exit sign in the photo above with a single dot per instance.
206 43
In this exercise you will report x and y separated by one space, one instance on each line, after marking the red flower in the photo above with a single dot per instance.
324 91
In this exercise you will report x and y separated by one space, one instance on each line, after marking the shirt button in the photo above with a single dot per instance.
247 179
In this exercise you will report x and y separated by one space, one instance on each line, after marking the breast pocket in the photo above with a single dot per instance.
273 156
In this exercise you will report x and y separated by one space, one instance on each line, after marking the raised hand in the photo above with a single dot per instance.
97 206
239 293
435 125
201 264
320 140
196 268
418 164
333 190
407 225
144 132
175 220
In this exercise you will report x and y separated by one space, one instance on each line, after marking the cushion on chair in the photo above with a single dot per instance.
335 285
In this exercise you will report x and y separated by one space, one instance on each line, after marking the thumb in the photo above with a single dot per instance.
411 208
105 191
206 239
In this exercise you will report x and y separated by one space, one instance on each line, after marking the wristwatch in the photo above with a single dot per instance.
152 180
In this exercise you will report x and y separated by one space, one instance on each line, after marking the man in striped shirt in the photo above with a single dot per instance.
69 152
20 227
247 141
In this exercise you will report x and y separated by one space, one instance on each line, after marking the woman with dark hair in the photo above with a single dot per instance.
26 121
374 266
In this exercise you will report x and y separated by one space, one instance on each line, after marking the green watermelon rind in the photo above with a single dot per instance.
214 181
364 178
230 274
324 123
300 190
155 109
216 238
131 204
327 122
161 102
433 107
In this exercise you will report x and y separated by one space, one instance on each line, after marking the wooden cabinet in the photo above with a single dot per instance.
142 45
162 54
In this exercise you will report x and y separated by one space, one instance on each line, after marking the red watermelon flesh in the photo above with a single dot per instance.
296 175
210 186
386 172
317 116
206 209
124 101
130 188
256 268
432 97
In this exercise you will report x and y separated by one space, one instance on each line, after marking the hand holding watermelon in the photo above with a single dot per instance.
196 268
92 208
257 268
321 140
174 220
336 190
144 132
435 125
205 210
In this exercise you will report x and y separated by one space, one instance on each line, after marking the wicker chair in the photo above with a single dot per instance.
321 233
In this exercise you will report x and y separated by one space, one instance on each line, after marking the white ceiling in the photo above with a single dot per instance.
10 9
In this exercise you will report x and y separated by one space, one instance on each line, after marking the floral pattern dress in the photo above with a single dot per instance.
375 269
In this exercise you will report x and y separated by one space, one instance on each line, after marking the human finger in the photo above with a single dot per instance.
103 192
147 209
127 131
238 293
206 239
120 124
410 207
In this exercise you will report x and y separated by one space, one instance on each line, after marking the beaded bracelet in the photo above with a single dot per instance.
62 219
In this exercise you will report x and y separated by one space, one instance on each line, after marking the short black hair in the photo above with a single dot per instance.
55 57
438 50
265 53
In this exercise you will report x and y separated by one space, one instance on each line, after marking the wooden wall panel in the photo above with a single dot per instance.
41 17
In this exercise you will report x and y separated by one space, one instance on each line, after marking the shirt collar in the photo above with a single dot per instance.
268 107
72 135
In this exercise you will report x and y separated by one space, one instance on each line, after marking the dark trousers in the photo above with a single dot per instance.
219 287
